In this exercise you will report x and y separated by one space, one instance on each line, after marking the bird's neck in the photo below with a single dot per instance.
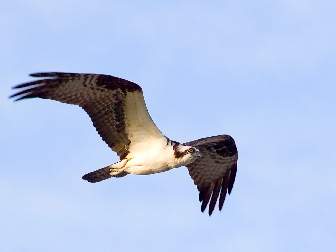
178 153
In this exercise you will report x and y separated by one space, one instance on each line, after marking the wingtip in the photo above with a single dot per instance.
16 97
209 212
43 74
232 178
34 74
22 85
200 197
53 74
46 74
12 97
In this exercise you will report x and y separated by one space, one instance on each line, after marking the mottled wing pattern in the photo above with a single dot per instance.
105 98
214 173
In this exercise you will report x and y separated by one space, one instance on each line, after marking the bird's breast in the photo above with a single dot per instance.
153 160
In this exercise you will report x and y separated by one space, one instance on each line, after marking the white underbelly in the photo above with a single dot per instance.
145 170
151 161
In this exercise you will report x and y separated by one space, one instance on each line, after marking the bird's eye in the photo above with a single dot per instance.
191 150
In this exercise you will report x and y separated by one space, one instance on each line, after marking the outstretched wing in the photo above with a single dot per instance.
214 173
115 106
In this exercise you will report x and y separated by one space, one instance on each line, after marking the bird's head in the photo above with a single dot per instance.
186 154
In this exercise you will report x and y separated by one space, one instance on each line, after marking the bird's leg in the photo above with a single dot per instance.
117 168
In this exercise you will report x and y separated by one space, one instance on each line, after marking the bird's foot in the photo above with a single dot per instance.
118 169
115 171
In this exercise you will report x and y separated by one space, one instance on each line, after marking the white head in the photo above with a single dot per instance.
186 154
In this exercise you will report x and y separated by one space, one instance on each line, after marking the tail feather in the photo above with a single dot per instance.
102 174
98 175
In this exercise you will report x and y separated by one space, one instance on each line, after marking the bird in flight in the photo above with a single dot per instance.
118 111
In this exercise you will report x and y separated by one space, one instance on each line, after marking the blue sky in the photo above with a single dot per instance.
261 71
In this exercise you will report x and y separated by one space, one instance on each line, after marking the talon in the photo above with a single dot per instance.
116 171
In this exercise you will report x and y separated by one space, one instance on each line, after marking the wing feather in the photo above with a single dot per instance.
214 173
116 106
224 189
214 196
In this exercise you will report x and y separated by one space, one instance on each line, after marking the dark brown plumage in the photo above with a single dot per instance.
214 173
101 96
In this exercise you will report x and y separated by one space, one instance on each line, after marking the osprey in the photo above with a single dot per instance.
118 111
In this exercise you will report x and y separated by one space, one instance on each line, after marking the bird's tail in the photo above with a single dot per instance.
104 173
